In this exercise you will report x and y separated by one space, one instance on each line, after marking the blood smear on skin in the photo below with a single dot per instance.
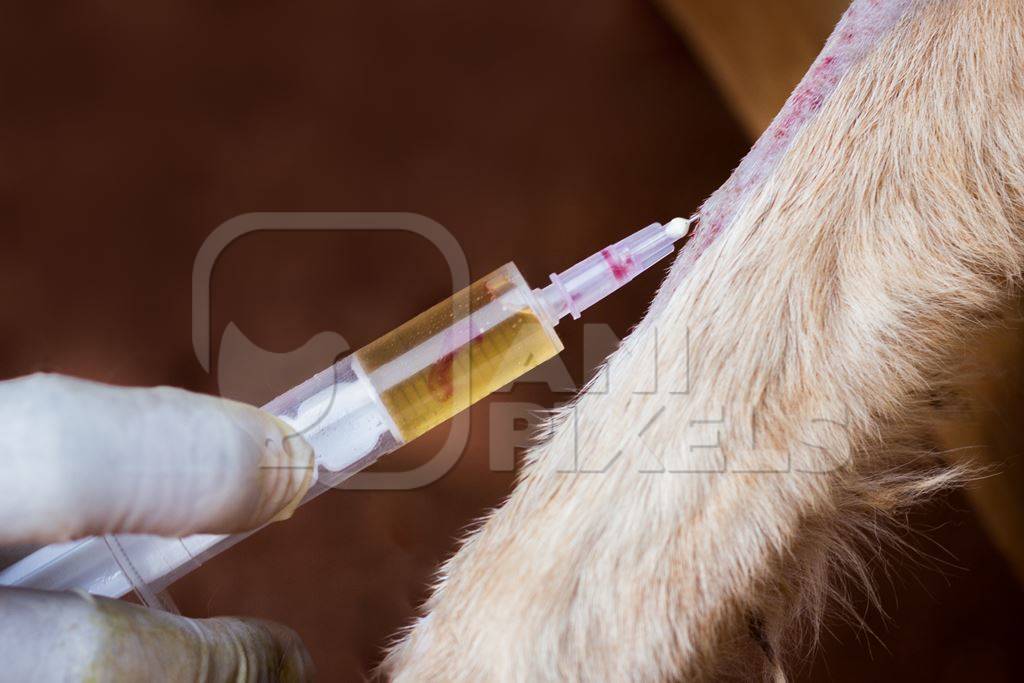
856 35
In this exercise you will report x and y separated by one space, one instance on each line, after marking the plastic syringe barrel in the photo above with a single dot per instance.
368 404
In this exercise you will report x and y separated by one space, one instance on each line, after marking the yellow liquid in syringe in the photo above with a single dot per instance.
459 351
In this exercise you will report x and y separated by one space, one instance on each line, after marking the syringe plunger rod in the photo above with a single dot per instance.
592 279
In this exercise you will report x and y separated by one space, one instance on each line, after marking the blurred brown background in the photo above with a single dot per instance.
537 132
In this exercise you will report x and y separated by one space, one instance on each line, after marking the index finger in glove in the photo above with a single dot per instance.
82 458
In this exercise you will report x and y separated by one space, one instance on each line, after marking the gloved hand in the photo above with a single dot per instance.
79 458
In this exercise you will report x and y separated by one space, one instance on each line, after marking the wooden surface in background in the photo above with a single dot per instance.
756 51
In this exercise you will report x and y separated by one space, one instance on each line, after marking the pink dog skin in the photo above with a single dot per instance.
859 30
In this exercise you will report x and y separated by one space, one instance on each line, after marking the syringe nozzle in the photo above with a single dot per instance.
594 278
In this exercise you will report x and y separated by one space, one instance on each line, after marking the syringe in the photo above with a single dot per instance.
374 401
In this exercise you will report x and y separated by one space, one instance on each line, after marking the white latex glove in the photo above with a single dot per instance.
79 458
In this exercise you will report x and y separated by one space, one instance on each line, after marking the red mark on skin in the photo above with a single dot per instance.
620 269
715 227
807 98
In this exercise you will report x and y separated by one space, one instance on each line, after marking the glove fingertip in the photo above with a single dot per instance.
288 470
